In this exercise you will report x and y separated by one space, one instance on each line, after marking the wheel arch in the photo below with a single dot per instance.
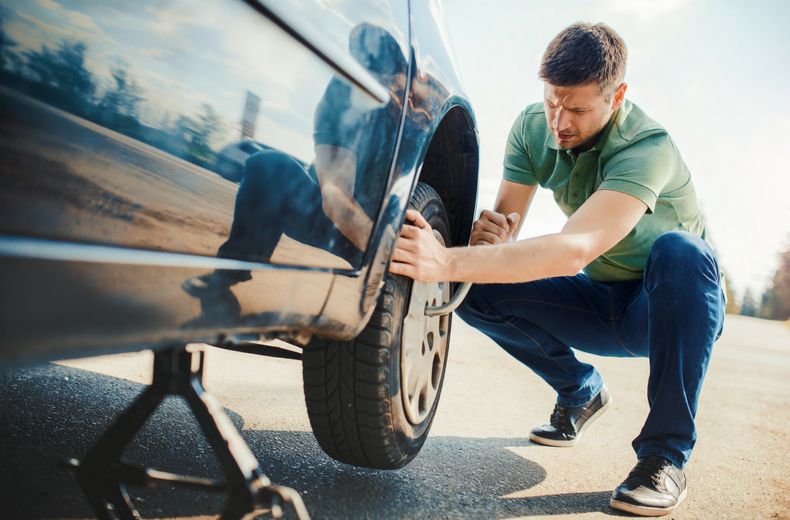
451 165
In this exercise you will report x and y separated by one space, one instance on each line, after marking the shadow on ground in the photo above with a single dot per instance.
50 413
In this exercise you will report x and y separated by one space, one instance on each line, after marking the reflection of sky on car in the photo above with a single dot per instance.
345 15
184 57
435 39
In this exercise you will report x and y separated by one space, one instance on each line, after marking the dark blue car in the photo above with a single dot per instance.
130 218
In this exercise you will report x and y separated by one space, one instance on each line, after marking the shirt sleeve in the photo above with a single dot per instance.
517 164
642 170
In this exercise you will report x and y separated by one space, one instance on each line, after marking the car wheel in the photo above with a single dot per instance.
371 400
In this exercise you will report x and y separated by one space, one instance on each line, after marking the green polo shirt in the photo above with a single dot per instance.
634 155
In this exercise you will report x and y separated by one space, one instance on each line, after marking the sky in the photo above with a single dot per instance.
715 74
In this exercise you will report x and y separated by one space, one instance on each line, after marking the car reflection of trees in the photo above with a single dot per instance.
332 203
59 77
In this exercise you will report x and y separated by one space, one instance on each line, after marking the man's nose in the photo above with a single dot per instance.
561 120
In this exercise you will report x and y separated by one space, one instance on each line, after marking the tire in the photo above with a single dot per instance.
357 411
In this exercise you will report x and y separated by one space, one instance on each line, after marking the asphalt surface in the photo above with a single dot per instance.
477 463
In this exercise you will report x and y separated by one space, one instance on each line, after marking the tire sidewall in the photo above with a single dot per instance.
410 437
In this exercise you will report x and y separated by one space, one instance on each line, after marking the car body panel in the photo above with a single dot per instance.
134 150
55 309
111 203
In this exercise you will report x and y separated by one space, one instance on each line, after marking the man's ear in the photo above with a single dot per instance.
619 95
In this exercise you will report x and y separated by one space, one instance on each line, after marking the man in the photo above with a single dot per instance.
650 284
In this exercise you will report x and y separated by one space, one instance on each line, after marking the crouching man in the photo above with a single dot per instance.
650 284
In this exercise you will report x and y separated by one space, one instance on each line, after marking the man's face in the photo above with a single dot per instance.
576 115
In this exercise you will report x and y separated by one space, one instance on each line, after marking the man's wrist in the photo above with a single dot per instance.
454 263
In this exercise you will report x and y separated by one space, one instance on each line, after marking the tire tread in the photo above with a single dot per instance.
346 384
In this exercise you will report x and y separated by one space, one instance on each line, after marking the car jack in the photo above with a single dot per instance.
103 477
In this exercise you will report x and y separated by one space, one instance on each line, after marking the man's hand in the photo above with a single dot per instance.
494 228
418 254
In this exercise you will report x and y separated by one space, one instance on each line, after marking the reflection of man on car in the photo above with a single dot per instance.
230 161
332 203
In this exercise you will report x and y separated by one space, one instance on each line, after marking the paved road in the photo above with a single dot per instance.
477 463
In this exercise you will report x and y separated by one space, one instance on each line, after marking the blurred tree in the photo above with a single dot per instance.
749 304
732 305
125 95
62 77
198 134
6 44
776 299
118 108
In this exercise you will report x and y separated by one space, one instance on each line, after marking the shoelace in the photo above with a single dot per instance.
560 420
649 468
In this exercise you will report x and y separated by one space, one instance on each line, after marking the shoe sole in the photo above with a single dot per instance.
646 510
567 444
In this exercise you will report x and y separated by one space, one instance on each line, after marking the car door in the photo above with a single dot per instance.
184 137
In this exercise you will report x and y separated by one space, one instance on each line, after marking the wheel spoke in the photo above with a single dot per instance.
423 349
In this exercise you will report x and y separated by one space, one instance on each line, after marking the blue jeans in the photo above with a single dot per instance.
673 316
278 195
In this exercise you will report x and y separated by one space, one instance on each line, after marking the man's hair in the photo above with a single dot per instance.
585 53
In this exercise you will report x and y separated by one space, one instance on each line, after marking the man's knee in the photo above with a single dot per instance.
274 169
681 257
275 183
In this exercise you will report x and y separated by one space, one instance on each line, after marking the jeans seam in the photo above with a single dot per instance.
617 335
536 342
627 307
612 323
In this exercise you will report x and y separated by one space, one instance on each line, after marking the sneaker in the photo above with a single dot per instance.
653 488
567 423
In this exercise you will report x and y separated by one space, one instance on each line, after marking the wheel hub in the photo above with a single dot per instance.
423 348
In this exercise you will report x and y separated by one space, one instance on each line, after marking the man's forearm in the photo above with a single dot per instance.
523 261
354 223
515 197
347 215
